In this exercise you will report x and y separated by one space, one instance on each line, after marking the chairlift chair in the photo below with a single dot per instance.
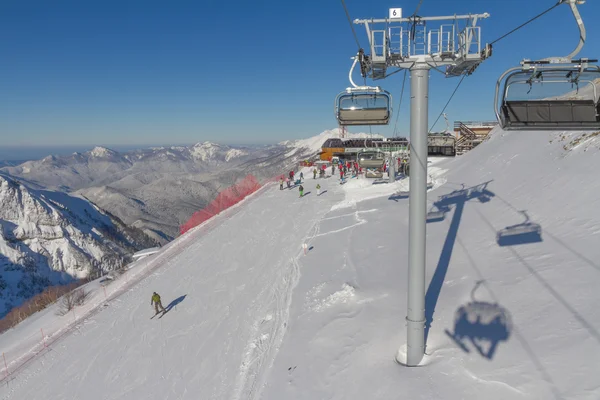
575 107
371 159
363 106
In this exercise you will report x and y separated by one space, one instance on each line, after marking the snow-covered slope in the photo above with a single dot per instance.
49 237
511 314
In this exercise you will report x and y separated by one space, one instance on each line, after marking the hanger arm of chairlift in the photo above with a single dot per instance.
351 71
582 33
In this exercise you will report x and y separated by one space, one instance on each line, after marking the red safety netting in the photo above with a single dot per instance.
225 199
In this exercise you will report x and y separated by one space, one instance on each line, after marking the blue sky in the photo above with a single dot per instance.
80 73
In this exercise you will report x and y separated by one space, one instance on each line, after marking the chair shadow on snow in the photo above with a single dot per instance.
458 199
175 302
523 233
482 323
398 196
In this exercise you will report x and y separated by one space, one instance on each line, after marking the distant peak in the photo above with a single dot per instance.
100 151
49 158
207 144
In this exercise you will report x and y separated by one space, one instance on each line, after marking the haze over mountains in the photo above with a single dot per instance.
158 189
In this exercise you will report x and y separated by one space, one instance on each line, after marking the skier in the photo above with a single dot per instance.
318 189
281 184
157 303
315 173
301 176
301 190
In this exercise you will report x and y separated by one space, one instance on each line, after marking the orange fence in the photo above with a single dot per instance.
225 199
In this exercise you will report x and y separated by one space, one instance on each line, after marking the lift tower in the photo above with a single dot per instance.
407 43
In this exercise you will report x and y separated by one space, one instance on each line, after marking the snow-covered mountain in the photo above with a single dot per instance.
48 237
102 165
158 189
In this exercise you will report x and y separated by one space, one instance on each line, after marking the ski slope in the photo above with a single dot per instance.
256 318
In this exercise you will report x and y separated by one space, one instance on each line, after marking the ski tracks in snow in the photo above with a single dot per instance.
268 332
267 335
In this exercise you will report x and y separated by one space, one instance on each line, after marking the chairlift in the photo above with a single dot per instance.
556 93
363 105
371 159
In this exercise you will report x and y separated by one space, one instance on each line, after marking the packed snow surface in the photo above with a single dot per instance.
511 304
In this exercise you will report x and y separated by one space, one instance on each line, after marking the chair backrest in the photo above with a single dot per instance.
552 113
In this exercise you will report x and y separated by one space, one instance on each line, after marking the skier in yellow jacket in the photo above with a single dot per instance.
157 303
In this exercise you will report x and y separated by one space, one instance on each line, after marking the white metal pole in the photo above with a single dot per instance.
419 102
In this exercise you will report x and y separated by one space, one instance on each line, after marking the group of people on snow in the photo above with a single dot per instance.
290 179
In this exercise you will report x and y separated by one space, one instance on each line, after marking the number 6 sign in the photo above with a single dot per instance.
395 13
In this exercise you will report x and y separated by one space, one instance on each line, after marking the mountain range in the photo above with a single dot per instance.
158 189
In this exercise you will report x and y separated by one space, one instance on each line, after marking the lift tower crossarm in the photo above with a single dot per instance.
411 19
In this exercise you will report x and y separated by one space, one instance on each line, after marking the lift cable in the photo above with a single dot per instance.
418 6
399 103
351 26
360 50
448 102
530 20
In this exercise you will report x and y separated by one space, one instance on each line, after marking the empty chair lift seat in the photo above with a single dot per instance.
552 113
363 107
